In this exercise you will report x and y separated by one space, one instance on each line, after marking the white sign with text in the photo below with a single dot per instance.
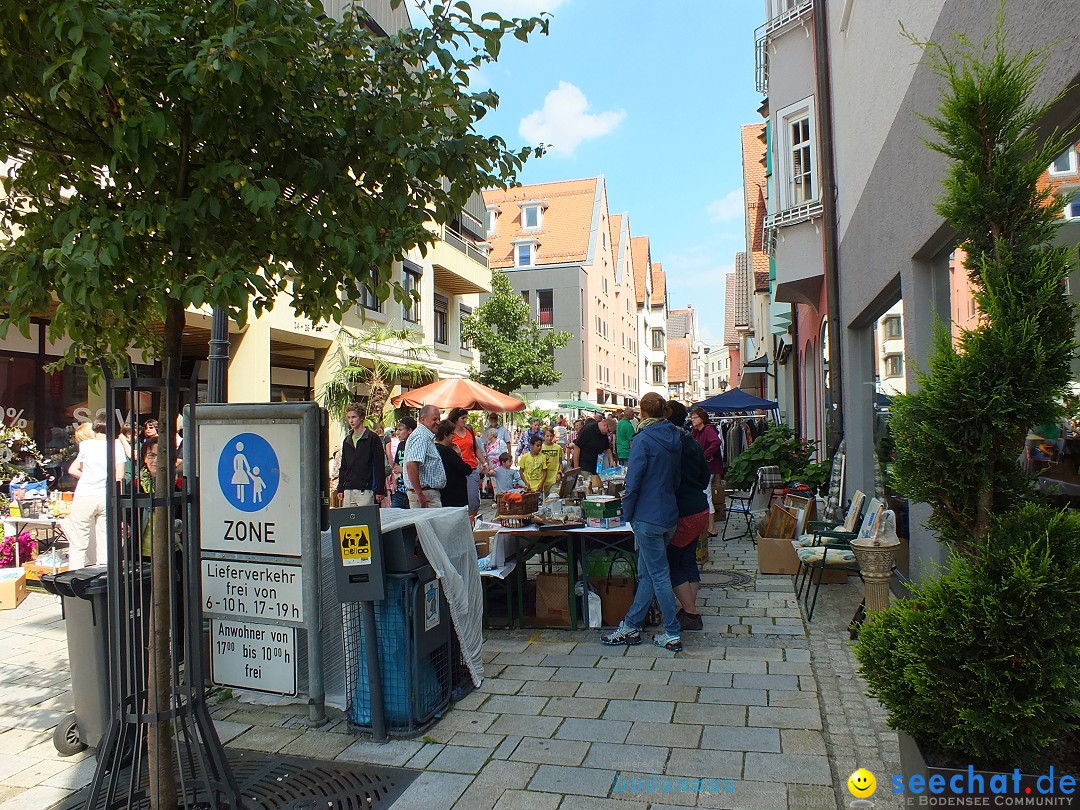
267 591
261 657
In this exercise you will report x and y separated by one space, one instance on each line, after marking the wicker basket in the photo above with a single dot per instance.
529 503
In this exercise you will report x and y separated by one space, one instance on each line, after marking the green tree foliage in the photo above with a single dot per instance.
221 153
378 357
958 437
983 663
514 351
225 153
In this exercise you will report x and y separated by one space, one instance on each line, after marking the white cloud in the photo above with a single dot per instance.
564 122
727 208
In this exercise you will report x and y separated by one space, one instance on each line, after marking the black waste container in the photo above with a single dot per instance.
85 594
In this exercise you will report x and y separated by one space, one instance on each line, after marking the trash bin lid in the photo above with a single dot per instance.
82 582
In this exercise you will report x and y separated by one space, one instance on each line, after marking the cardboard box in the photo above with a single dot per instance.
34 571
482 538
605 522
777 556
12 588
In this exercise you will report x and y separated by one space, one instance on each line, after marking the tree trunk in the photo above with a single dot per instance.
159 687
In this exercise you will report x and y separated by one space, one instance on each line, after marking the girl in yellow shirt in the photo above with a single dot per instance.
533 466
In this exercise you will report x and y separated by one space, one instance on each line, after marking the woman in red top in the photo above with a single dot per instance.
713 448
472 453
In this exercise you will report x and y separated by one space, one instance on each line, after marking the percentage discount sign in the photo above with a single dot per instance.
15 417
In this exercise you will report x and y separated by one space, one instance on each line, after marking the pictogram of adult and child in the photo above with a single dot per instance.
248 472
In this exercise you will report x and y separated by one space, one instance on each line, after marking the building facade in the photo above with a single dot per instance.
555 242
652 318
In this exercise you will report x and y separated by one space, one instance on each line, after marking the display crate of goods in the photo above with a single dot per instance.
605 506
12 588
605 522
35 569
516 502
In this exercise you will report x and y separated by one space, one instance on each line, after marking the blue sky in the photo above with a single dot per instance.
652 96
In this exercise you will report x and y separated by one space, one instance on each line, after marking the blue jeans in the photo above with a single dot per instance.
399 500
654 578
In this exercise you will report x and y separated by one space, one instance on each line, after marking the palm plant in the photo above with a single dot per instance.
379 357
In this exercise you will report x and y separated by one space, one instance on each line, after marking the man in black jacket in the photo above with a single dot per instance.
362 475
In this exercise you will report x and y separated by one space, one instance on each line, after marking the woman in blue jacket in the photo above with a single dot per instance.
649 507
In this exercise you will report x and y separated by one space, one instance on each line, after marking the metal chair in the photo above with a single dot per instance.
834 553
754 502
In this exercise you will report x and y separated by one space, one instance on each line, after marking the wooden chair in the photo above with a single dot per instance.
831 550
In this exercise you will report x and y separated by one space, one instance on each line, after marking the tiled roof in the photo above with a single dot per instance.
754 189
659 286
566 226
639 245
730 338
741 293
680 322
678 360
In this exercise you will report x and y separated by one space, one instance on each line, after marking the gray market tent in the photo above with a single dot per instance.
736 401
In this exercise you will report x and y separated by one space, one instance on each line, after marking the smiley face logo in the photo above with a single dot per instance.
862 784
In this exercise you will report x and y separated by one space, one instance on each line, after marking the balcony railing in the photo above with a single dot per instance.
793 216
456 240
773 28
547 318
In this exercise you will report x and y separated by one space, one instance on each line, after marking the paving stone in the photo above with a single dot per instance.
514 704
682 663
15 741
575 781
746 795
472 701
801 768
710 713
36 798
35 773
528 673
525 726
73 777
528 800
790 668
793 700
658 711
755 653
706 764
612 691
492 782
711 679
518 659
740 738
666 692
626 662
612 731
765 682
458 720
811 796
265 738
629 758
737 666
423 757
575 707
784 718
460 759
549 688
477 740
507 746
550 752
583 674
496 686
739 697
395 753
318 745
651 676
574 659
681 735
434 791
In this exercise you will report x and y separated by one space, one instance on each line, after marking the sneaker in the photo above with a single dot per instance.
668 642
689 621
622 635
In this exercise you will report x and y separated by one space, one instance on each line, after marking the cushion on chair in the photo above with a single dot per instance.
835 556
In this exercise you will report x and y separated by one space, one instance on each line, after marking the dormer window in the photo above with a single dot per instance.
532 215
493 212
525 252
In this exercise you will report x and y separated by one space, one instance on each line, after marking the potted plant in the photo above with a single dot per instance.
778 446
981 667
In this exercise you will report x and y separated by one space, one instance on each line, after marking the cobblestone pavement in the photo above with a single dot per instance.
759 698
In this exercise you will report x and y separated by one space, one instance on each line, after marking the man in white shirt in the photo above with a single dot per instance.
425 475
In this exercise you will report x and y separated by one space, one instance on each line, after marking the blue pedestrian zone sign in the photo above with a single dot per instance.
248 472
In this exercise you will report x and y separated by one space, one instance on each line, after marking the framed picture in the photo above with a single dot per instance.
569 482
782 522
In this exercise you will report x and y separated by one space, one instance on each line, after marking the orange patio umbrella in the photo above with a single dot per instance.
447 394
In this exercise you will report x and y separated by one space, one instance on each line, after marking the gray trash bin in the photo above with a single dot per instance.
85 598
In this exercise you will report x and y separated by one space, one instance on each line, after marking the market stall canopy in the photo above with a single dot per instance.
734 401
543 405
581 405
446 394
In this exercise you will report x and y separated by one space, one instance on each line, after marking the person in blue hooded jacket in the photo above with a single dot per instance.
649 506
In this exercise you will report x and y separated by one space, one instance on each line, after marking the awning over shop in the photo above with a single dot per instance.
735 401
